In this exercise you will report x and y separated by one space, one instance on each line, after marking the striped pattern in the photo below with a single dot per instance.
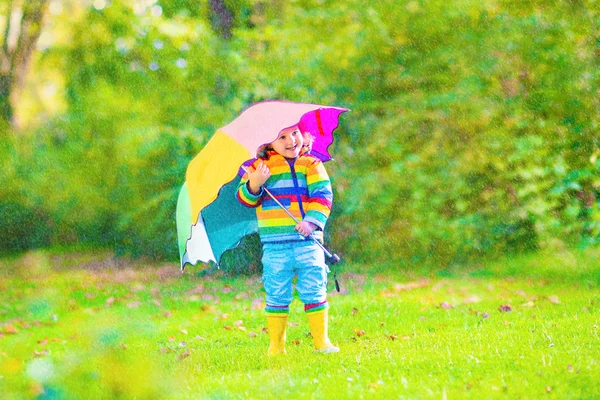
301 185
312 308
277 309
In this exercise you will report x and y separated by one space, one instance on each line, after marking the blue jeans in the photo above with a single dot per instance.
282 261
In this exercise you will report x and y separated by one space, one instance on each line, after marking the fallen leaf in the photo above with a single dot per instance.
198 289
257 304
553 299
472 299
43 342
124 346
227 327
411 285
134 304
184 331
529 304
445 305
265 330
73 305
241 296
200 338
505 308
548 389
185 354
227 289
10 329
110 301
375 385
40 353
486 315
252 334
393 337
296 342
359 332
354 311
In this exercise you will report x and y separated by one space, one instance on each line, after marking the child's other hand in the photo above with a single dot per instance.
258 177
305 228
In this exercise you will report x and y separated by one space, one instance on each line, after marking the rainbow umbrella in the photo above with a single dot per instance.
210 220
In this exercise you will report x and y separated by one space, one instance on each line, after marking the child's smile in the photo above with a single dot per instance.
289 142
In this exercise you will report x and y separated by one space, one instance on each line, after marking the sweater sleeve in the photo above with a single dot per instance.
243 193
320 195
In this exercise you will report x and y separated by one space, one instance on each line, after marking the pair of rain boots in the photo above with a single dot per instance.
318 323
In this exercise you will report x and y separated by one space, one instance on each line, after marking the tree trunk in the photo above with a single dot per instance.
221 18
14 60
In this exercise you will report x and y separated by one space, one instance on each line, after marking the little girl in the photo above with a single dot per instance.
299 181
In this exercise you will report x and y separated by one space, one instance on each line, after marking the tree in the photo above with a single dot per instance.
19 41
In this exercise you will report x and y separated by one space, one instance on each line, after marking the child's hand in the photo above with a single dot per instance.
258 177
305 228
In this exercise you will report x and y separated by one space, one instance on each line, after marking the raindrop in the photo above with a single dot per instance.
181 63
153 66
158 44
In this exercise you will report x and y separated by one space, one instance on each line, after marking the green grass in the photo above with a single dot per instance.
85 326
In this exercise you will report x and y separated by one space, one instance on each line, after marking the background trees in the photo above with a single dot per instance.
23 21
473 128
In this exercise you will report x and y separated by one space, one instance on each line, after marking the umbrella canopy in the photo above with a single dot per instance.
210 220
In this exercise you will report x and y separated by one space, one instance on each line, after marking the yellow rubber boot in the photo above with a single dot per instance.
318 322
277 323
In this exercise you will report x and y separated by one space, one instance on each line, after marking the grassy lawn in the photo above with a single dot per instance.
80 326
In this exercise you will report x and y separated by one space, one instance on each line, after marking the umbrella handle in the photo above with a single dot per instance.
333 258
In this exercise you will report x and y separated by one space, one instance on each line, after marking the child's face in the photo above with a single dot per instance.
289 142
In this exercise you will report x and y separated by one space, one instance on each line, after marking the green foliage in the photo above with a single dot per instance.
473 129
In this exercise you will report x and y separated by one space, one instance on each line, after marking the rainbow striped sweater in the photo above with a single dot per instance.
301 185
